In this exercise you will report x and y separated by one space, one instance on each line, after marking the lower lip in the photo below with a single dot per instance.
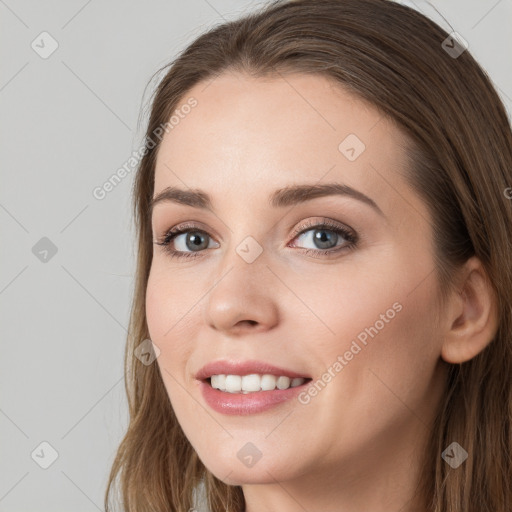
249 403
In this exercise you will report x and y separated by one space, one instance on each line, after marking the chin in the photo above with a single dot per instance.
234 472
247 476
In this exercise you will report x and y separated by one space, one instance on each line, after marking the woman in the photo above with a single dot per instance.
324 279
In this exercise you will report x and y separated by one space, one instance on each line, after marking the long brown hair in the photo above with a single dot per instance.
460 163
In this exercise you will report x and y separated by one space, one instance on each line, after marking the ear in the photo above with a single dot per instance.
472 315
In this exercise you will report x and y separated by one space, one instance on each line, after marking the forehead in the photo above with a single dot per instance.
257 134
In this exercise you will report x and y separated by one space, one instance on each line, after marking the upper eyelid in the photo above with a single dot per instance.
185 227
190 225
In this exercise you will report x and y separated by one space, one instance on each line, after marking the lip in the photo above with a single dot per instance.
244 404
251 403
225 367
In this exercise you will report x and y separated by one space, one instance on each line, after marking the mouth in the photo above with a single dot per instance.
250 394
248 387
253 383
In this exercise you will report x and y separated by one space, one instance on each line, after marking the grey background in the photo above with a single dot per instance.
68 122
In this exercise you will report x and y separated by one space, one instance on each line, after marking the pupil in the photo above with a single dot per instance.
195 240
324 239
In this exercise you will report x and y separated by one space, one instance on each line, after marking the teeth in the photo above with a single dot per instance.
253 383
283 382
268 382
233 383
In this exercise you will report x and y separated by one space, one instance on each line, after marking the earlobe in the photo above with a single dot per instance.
474 321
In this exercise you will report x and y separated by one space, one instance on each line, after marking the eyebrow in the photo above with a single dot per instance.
280 198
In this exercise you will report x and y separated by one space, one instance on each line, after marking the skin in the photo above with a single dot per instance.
357 445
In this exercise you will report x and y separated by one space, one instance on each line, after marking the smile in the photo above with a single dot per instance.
242 402
253 383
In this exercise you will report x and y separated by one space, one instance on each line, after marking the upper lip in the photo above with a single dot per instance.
225 367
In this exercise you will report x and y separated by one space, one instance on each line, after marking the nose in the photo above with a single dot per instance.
244 297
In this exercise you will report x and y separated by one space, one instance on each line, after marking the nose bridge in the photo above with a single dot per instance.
248 236
242 289
244 266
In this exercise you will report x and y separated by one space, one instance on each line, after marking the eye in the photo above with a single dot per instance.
189 241
194 239
325 236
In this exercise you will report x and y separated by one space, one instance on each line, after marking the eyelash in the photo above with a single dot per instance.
327 224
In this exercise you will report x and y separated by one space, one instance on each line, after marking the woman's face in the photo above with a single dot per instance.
356 313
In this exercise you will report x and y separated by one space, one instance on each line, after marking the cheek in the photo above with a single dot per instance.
169 301
376 323
388 350
171 313
347 303
170 328
399 354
